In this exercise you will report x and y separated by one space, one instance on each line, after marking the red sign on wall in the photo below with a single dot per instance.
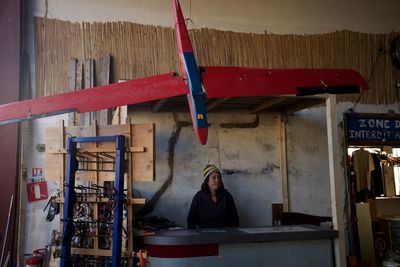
37 172
37 191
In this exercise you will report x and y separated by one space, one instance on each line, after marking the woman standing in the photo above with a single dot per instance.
213 205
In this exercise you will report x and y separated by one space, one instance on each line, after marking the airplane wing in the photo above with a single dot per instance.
218 82
221 82
215 81
97 98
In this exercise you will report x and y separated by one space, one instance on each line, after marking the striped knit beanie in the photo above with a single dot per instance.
209 169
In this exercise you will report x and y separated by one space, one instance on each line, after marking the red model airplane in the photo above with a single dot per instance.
196 83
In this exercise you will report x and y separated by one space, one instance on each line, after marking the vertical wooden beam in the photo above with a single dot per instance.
26 142
96 180
104 116
72 87
120 113
283 161
129 207
79 86
63 157
266 104
336 180
216 102
89 71
25 137
86 118
158 105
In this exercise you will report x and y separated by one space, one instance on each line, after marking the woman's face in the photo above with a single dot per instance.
214 181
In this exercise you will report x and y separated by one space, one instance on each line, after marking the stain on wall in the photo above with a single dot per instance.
150 204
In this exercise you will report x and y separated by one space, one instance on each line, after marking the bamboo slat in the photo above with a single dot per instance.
143 50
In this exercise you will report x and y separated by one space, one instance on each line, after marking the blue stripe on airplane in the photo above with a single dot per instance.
196 90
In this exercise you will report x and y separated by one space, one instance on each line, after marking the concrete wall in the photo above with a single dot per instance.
250 155
37 230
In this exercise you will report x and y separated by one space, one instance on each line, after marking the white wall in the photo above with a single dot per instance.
37 230
252 153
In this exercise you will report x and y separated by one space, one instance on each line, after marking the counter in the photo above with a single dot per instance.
296 245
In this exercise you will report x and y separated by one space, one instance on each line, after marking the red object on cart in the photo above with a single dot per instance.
36 260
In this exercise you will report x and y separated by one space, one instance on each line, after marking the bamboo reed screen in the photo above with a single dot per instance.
142 50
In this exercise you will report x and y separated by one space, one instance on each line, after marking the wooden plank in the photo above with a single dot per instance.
86 118
53 168
141 160
130 201
123 114
142 164
89 73
130 219
136 201
336 178
158 105
61 143
266 104
96 181
304 103
120 113
283 161
104 70
62 161
79 86
116 116
79 76
104 117
365 237
95 252
97 150
216 102
72 87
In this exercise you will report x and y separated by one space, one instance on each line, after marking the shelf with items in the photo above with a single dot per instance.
95 182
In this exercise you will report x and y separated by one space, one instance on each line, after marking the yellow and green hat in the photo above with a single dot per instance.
209 169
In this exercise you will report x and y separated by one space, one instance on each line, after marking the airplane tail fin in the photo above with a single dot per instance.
183 43
191 74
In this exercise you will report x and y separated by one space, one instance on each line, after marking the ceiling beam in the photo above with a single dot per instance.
216 102
158 105
266 104
303 104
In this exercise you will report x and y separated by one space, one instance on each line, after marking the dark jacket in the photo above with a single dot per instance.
204 213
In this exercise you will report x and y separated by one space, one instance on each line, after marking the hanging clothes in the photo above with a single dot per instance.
363 166
377 177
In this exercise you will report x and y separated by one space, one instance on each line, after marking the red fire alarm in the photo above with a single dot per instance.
37 191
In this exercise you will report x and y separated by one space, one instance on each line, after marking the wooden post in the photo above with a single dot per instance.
96 181
86 118
336 180
104 117
130 216
26 137
283 161
72 87
61 145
